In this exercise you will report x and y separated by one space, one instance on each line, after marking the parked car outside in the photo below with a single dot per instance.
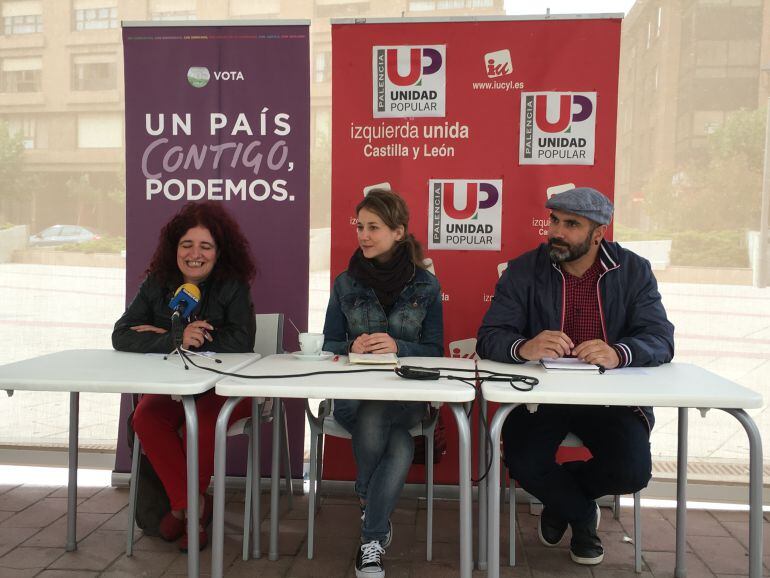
62 235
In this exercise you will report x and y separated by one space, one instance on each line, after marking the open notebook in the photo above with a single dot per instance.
377 358
567 364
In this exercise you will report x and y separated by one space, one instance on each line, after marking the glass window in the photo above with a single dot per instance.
166 10
22 17
94 72
98 131
23 128
21 75
690 159
323 66
243 8
96 18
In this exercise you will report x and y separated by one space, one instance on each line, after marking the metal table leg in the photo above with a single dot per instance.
482 487
755 490
466 530
220 460
680 568
72 483
191 422
275 479
493 492
256 477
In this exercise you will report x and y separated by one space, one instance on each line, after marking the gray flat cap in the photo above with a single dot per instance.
583 201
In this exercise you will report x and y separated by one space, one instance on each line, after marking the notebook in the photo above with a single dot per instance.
376 358
567 364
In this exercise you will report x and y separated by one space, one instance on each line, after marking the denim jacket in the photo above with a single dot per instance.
415 322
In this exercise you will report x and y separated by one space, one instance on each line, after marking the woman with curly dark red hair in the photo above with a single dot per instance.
202 245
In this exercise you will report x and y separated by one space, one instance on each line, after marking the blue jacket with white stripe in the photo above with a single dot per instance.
529 299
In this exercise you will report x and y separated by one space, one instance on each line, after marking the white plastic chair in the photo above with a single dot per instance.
573 441
325 424
267 341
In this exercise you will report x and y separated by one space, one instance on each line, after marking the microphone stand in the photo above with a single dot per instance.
177 331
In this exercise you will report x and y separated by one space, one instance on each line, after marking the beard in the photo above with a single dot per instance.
562 252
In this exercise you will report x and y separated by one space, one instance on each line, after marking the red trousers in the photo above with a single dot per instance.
157 421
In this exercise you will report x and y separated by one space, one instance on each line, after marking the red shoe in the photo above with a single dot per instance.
171 527
203 541
207 510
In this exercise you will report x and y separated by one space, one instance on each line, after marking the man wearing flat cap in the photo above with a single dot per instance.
582 296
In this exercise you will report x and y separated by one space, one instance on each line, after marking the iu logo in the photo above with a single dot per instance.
415 61
572 108
472 203
465 348
498 63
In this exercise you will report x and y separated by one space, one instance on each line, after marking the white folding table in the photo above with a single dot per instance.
680 385
109 371
344 385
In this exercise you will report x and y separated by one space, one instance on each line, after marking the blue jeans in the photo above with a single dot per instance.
383 450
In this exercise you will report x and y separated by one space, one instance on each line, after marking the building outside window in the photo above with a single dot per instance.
323 66
21 74
95 14
24 128
94 72
22 17
100 130
165 10
246 8
427 5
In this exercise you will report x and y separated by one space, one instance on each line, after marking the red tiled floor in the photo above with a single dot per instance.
33 526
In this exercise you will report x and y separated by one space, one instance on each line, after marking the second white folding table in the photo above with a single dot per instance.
344 384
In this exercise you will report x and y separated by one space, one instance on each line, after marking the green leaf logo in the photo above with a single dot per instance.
198 76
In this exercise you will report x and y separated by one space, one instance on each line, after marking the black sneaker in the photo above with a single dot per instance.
388 537
585 546
369 560
550 529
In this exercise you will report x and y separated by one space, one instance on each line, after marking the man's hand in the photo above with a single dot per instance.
546 344
597 352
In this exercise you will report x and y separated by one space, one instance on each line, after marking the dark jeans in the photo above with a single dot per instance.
617 437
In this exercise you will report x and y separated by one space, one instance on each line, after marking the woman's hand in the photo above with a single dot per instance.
149 328
196 334
359 345
377 343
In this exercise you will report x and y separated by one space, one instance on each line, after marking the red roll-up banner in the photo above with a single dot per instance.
475 123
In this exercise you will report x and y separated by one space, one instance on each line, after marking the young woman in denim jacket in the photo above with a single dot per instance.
385 302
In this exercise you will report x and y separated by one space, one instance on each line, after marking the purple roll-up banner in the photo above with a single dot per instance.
220 111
